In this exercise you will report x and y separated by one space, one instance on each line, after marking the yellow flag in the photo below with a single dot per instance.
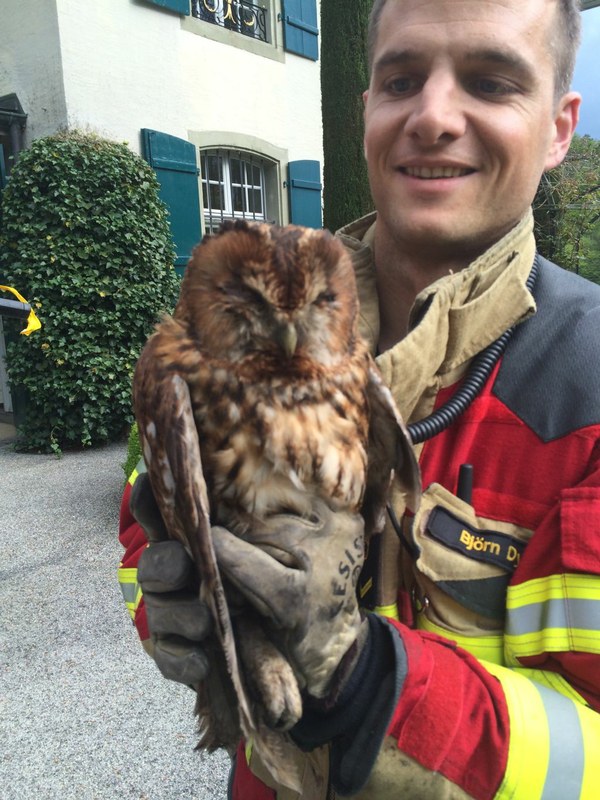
33 323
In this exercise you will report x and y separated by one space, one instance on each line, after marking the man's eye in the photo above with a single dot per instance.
490 86
400 85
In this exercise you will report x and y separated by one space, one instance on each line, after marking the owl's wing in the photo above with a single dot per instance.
391 455
171 450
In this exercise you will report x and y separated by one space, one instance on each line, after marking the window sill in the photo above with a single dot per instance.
231 38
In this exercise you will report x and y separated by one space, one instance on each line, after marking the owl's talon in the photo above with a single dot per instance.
269 675
283 705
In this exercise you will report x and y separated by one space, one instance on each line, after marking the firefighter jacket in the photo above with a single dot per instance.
495 597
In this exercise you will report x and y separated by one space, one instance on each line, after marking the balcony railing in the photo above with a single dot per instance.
235 15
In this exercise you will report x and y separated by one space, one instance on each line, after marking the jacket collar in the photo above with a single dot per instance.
453 319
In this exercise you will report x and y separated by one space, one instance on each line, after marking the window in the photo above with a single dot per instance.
242 16
12 133
234 186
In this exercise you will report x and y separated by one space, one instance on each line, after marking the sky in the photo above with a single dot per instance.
587 74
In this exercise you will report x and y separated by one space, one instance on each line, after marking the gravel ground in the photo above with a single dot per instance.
84 713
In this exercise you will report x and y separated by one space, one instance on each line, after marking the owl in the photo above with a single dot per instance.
255 397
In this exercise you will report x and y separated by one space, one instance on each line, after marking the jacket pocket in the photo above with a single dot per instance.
580 529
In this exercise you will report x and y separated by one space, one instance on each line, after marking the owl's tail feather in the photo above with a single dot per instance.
219 727
280 756
217 708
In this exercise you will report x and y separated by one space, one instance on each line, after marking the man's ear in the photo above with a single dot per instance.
565 122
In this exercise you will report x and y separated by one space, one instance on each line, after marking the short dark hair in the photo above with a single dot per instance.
565 41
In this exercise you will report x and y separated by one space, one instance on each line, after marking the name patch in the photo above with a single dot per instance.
492 547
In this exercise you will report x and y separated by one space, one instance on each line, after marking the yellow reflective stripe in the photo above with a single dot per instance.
132 591
390 611
140 467
132 478
552 614
590 724
554 747
248 750
488 648
527 762
553 681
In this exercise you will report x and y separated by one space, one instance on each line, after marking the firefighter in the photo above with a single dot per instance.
477 672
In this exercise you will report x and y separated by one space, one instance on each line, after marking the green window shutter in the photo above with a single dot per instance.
300 27
174 161
180 6
304 185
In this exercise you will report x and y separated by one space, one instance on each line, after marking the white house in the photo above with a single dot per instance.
222 97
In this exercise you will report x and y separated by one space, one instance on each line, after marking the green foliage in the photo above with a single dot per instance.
591 251
134 452
86 239
567 209
344 77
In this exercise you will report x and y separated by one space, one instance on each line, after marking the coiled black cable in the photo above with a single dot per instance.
480 371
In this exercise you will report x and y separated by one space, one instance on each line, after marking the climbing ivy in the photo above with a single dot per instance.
86 239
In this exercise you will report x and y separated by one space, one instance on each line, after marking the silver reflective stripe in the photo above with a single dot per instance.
559 613
566 758
130 592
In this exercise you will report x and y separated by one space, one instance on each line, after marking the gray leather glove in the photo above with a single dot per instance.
178 622
301 574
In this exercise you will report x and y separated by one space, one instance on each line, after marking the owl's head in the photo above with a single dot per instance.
284 292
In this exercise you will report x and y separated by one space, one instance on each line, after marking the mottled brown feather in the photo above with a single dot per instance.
255 397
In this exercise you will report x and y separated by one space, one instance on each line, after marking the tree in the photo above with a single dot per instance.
344 77
567 207
591 255
86 239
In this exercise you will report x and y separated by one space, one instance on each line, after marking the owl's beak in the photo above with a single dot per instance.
286 337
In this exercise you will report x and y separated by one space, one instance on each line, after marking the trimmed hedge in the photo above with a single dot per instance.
86 239
134 452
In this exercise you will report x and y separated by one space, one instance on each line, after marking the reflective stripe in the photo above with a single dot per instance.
554 744
564 777
390 611
561 613
528 747
139 468
488 648
132 478
590 725
132 591
557 613
553 681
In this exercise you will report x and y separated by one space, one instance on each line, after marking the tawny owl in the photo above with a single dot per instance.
257 395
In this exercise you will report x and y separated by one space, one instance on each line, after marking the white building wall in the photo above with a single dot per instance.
117 66
30 63
129 65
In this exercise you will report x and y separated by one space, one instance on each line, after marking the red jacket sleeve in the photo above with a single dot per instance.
133 539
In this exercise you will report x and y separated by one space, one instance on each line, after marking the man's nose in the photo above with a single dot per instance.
438 112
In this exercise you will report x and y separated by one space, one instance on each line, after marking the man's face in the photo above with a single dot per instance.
461 119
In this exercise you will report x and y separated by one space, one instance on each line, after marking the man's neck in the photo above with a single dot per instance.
400 277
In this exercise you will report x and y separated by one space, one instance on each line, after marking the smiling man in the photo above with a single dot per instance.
476 673
463 114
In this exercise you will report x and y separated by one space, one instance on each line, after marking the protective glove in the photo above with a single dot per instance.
301 575
178 622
